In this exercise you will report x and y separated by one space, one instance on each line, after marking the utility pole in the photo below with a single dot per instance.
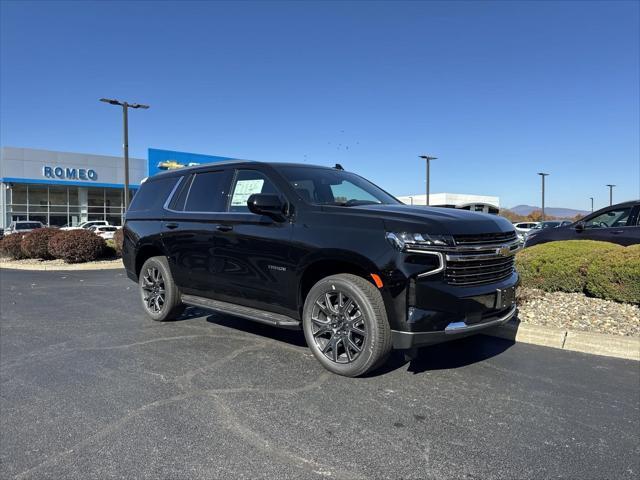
125 144
542 174
610 194
428 159
591 204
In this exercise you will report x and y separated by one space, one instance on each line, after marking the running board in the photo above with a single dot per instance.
269 318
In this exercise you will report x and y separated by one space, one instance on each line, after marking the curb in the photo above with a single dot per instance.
575 341
116 264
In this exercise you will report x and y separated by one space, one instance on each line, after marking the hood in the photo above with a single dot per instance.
434 220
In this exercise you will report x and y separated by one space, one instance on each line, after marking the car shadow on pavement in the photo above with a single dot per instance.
444 356
292 337
458 353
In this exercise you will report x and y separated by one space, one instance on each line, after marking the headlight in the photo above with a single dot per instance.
418 241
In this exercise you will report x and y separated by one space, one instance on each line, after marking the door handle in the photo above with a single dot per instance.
224 228
617 231
171 225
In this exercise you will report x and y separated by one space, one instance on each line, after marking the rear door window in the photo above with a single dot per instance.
208 192
180 197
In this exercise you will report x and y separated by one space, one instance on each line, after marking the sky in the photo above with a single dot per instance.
498 91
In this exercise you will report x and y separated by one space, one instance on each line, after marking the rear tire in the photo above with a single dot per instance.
345 325
159 294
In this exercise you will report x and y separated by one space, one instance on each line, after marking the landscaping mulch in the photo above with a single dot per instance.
36 264
576 311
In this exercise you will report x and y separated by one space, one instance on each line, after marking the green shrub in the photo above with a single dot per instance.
35 244
118 240
10 246
616 276
77 246
560 266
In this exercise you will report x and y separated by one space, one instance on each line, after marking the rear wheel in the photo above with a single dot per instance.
160 295
345 325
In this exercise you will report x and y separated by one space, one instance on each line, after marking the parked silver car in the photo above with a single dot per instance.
22 226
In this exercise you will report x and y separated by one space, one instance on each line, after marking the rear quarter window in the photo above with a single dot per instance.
152 194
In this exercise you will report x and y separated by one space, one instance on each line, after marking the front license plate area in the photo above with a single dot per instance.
505 297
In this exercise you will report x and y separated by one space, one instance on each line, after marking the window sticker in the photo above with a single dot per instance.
244 189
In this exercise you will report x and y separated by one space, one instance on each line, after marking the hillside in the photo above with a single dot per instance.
552 211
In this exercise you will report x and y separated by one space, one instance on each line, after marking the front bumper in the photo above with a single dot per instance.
454 330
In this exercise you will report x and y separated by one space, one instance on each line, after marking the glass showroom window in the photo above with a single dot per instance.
18 202
58 205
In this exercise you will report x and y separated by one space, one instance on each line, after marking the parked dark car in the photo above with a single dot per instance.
318 249
616 224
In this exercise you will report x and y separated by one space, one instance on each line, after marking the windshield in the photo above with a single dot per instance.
324 186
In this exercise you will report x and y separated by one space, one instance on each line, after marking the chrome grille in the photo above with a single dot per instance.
481 258
475 272
485 238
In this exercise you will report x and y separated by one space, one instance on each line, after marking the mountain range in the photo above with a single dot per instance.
554 212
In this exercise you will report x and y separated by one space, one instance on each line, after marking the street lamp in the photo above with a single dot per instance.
610 193
591 204
543 175
428 159
125 145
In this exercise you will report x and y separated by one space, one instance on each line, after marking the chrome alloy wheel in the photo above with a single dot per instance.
153 290
338 327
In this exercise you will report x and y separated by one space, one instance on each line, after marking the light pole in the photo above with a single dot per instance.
125 144
543 175
428 159
591 204
610 193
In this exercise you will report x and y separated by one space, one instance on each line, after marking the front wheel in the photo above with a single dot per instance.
160 295
345 325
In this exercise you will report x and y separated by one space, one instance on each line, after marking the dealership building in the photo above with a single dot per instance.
60 188
464 201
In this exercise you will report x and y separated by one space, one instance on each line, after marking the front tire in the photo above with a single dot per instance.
345 325
159 294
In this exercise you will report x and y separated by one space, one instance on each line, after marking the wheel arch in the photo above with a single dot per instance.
335 263
144 253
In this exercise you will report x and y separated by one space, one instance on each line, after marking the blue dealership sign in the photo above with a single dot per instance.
162 160
64 173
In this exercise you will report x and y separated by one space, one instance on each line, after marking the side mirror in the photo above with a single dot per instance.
579 227
266 204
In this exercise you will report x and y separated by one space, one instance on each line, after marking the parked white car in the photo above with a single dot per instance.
522 228
22 226
105 231
87 225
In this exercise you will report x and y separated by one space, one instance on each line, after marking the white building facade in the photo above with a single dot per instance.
475 203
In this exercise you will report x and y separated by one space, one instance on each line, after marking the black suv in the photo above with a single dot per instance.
322 249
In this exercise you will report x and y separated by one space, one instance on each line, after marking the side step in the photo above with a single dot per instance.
269 318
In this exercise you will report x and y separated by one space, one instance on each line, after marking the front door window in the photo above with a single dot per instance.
611 219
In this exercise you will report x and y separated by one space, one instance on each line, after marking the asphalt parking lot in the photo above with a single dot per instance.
91 388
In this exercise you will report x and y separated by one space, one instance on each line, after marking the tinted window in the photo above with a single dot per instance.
613 218
246 184
181 196
152 194
28 226
208 192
